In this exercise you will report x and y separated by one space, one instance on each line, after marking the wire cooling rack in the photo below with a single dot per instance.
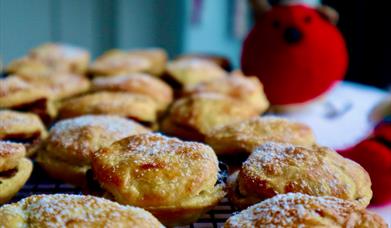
40 183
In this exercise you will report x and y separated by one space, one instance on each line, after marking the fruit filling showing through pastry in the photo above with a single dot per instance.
28 141
7 174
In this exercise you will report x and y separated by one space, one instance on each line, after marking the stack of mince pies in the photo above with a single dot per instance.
142 137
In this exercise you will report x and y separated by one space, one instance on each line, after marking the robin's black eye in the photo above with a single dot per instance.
276 24
308 19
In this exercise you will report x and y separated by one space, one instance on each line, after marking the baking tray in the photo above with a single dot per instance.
40 183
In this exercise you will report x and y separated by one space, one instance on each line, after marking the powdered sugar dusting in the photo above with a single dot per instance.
60 209
293 209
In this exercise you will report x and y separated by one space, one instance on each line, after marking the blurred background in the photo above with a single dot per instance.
212 26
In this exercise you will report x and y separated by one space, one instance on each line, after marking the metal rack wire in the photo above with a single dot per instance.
40 183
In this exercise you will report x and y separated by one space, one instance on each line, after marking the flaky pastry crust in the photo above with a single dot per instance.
237 86
189 72
276 168
175 180
138 83
300 210
194 116
26 128
134 106
246 135
71 142
62 210
116 62
49 58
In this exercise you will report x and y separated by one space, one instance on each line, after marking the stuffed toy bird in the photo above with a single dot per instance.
296 52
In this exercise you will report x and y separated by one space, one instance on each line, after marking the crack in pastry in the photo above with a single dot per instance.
114 62
237 86
194 116
51 58
66 154
15 169
139 83
25 128
174 180
245 136
301 210
65 210
275 168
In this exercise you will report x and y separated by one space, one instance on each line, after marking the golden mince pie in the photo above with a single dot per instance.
15 170
63 210
184 73
114 62
24 128
237 86
66 154
138 107
194 116
244 136
19 94
300 210
172 179
49 58
276 168
139 83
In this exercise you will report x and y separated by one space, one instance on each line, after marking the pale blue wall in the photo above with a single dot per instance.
214 32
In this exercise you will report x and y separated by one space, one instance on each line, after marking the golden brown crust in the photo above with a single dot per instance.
116 62
10 155
275 168
194 116
13 181
162 174
71 142
189 72
16 91
26 128
237 86
134 106
49 58
139 83
300 210
61 210
245 136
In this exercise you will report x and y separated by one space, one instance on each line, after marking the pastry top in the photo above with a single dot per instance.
18 125
134 106
221 61
276 168
245 89
154 170
16 91
300 210
62 210
137 83
73 140
59 85
246 135
10 155
51 57
205 111
116 62
189 72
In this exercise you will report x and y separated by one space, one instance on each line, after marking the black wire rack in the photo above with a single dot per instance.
40 183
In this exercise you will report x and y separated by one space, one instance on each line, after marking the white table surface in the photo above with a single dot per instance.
353 102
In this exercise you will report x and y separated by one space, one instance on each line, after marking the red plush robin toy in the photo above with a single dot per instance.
374 154
295 51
